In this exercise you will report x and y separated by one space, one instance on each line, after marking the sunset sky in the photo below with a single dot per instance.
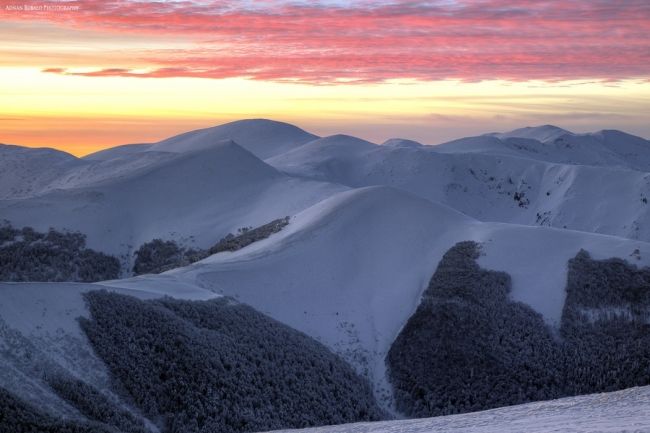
86 74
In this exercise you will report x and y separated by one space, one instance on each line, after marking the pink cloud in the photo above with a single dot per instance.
376 41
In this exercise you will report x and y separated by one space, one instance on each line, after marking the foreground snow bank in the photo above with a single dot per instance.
621 411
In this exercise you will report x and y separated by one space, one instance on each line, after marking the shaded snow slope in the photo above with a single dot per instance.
350 270
613 412
25 171
195 196
30 172
333 157
264 138
117 151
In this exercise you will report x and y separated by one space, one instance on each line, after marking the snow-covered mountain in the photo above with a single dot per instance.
337 272
369 225
264 138
606 148
199 195
495 180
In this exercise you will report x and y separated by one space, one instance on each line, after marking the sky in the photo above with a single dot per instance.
81 75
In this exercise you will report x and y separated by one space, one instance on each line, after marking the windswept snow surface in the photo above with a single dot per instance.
614 412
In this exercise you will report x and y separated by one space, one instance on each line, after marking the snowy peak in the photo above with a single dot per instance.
264 138
607 148
13 151
620 141
401 142
342 140
339 146
542 133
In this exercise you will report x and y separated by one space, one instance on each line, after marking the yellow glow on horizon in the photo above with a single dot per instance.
82 114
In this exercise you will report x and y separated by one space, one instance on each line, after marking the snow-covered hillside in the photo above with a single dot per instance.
501 180
193 197
350 270
606 148
613 412
27 172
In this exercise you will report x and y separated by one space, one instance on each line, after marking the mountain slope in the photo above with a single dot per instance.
123 361
542 133
25 171
350 270
117 151
197 196
369 225
488 182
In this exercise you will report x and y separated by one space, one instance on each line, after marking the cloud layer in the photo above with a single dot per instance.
369 41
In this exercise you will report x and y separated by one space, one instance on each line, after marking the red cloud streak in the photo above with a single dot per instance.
375 41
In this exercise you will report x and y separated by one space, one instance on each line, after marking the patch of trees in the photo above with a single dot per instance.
17 416
204 366
469 347
247 235
159 256
95 405
605 323
28 255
